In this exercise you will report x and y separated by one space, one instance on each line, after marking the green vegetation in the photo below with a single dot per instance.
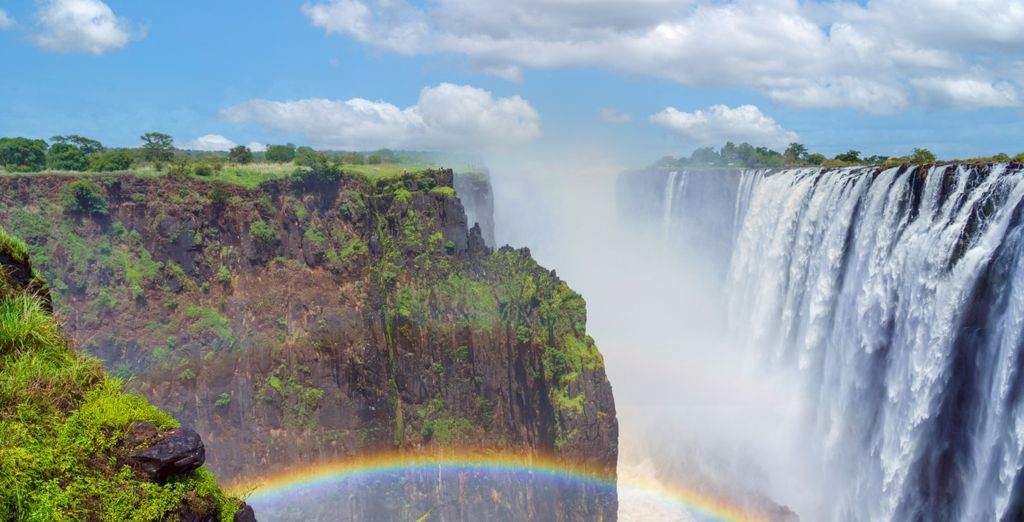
241 155
440 425
264 235
280 153
64 156
61 423
84 196
22 154
112 161
157 147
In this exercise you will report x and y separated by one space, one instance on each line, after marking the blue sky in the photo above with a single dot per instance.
527 74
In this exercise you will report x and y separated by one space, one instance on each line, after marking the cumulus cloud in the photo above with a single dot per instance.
615 117
445 117
6 20
81 26
719 123
967 93
876 56
209 143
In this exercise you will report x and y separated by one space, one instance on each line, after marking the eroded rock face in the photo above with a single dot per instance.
299 324
158 455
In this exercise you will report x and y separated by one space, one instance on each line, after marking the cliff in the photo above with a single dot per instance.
73 445
321 317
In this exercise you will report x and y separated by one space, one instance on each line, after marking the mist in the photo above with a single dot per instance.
695 410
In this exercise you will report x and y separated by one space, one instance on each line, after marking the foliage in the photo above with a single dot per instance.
84 196
280 153
157 147
111 161
922 156
64 156
263 234
240 154
22 154
86 145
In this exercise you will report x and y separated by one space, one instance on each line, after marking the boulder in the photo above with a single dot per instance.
159 454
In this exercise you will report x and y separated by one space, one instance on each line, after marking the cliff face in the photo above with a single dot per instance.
313 319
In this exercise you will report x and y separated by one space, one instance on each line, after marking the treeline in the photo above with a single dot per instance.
746 155
80 154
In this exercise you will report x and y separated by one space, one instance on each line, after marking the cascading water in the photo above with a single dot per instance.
898 297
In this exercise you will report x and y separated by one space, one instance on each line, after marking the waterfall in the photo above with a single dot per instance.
897 296
670 193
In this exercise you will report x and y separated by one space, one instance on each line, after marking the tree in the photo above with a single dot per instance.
65 156
22 154
88 146
280 153
158 147
851 156
922 156
240 154
111 161
795 153
306 156
816 159
705 156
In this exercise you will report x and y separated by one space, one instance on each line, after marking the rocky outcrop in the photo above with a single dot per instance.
315 319
158 455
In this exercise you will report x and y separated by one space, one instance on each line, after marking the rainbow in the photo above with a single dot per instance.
277 487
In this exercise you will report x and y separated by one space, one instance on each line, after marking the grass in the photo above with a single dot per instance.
249 175
61 421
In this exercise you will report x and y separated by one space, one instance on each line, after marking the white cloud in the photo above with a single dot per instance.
81 26
876 57
445 117
719 123
967 93
615 117
210 142
6 20
256 146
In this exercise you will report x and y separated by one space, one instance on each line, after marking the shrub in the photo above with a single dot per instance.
223 401
84 197
263 234
224 274
203 169
111 161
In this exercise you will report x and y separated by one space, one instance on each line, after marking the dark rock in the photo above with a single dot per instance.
245 514
160 454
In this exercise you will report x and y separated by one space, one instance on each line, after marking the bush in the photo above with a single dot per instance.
263 234
111 161
84 197
203 169
64 156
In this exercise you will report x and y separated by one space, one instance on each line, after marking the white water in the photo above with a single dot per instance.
902 311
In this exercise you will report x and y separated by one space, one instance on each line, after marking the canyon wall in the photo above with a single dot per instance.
320 317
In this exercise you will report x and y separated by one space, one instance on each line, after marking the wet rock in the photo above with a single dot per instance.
245 514
161 454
